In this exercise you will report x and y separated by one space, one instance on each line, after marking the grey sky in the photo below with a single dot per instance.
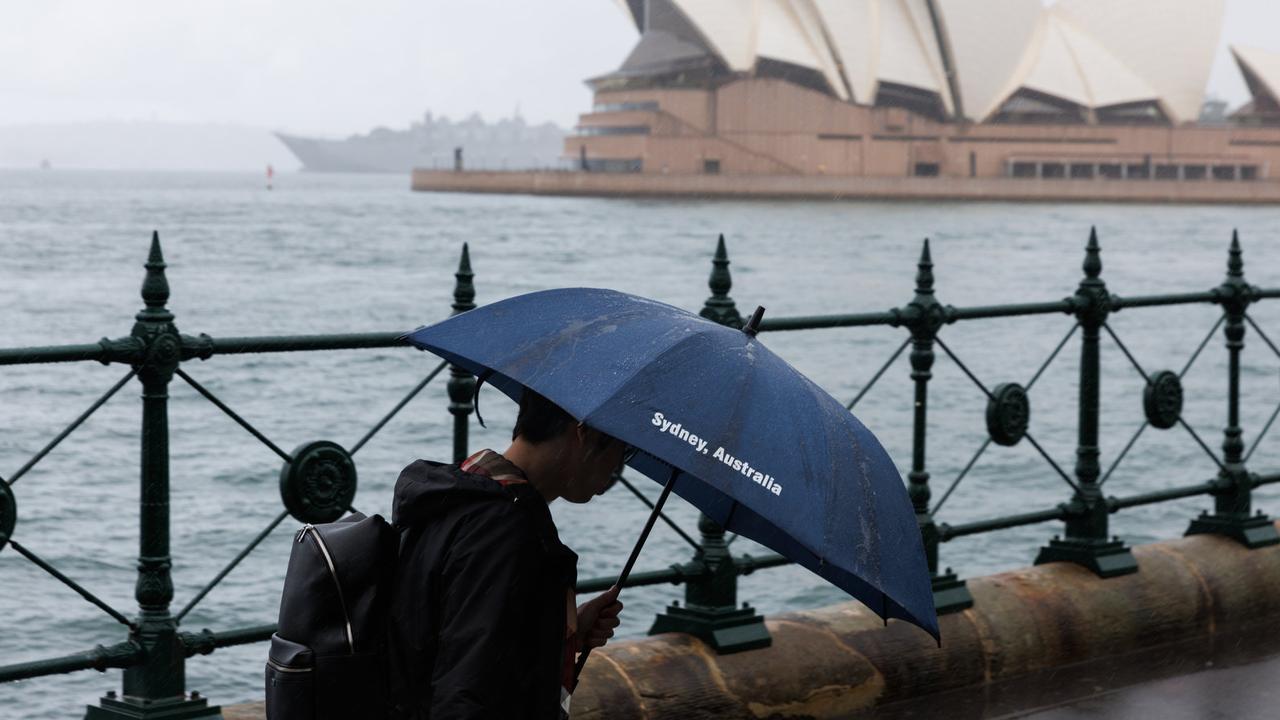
341 66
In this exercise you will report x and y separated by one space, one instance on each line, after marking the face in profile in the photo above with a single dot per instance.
598 458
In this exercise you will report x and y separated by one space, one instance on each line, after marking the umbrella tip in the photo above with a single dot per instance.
753 325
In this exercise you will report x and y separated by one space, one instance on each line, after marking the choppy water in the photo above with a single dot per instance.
357 254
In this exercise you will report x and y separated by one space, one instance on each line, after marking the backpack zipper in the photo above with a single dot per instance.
346 617
286 669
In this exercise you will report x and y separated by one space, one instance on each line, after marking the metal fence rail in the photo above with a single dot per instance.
318 483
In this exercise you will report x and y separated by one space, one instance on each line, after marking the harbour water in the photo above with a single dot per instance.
340 253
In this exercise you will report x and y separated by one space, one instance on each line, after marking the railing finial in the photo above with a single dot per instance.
719 307
155 286
924 271
1093 256
1235 258
464 290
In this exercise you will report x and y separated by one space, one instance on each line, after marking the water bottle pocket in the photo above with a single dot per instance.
290 681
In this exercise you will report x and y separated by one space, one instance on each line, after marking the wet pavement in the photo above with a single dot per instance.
1233 674
1245 692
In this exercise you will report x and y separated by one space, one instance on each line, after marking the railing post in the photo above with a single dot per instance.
711 609
1232 499
924 316
1086 541
155 688
462 384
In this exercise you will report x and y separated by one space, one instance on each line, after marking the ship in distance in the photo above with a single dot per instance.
507 144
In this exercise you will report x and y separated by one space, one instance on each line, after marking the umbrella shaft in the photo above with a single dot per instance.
648 526
631 561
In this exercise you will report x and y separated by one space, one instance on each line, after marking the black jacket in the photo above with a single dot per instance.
479 607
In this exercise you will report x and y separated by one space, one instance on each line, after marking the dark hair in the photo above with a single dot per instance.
539 419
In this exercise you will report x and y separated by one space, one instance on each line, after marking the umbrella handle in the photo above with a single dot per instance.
631 561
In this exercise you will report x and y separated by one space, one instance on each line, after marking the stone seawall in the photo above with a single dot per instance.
846 187
1036 635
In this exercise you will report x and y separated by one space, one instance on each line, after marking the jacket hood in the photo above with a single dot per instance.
426 489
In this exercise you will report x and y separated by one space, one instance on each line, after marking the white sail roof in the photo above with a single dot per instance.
989 41
811 23
908 51
785 31
1109 80
1264 65
1092 53
853 26
1054 69
1068 64
1168 43
728 25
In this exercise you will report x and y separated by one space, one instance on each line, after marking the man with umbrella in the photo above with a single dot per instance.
714 416
484 620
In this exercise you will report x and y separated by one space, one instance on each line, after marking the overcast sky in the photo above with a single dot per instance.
334 67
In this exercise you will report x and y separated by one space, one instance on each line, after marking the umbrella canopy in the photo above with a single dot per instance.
753 443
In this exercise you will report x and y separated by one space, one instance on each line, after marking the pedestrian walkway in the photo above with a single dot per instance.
1244 692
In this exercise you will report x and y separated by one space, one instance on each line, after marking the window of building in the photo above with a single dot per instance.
1137 113
1081 170
1224 172
710 167
633 106
1249 172
1111 171
593 130
1030 107
1194 172
1138 171
614 165
922 102
1166 172
1053 170
927 169
1023 170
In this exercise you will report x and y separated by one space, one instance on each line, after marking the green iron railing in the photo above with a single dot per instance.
318 478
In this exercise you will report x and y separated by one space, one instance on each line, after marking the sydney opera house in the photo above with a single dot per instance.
847 96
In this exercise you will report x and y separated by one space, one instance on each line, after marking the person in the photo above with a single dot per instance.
484 621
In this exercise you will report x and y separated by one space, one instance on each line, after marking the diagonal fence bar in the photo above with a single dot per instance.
1200 348
871 383
230 566
72 427
1052 463
663 516
963 367
1128 446
1262 335
93 599
1261 434
954 483
1132 360
987 443
983 388
1203 446
232 414
1052 356
399 406
1181 374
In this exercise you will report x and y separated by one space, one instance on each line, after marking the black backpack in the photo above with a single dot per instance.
328 657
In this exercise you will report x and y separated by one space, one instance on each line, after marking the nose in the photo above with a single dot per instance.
613 480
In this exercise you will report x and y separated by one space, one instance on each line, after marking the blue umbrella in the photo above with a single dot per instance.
720 419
